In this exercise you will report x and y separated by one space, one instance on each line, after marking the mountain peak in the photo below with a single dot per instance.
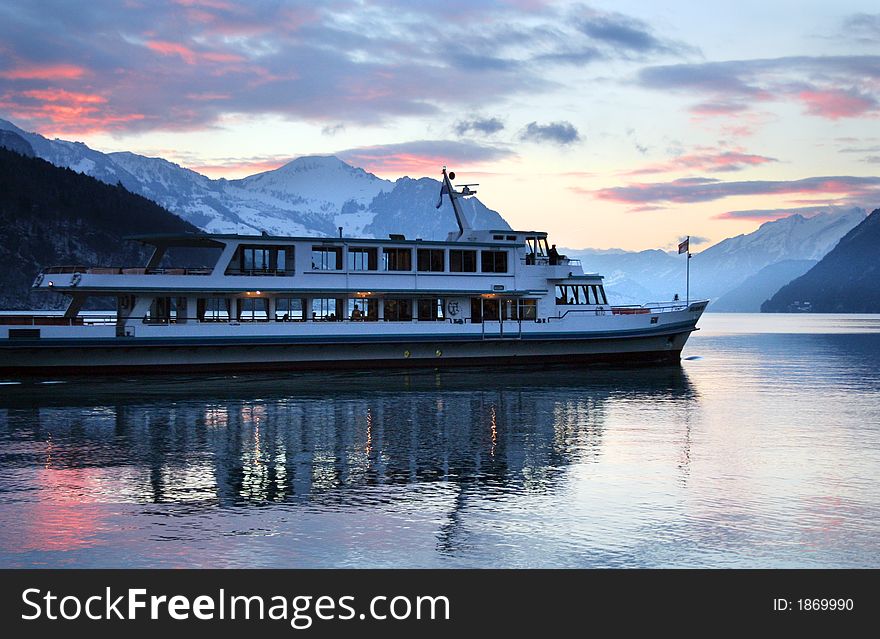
313 162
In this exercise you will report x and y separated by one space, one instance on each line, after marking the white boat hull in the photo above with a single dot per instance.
199 347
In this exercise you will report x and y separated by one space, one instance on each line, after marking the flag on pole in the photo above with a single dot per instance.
443 190
685 246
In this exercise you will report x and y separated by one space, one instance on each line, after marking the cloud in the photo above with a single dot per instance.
43 72
238 167
350 62
486 126
860 149
695 240
717 108
421 157
625 32
332 129
837 103
82 111
711 160
864 27
830 87
562 133
691 190
190 55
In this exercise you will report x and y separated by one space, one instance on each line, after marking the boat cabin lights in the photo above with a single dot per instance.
363 294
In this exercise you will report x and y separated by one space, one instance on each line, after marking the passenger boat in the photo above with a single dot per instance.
482 297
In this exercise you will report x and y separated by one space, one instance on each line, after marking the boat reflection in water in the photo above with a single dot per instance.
263 449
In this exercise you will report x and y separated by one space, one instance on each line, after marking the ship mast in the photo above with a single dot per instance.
463 224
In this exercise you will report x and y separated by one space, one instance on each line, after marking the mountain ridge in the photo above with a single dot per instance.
310 195
847 279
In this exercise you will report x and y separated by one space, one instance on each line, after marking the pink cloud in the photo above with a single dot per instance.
44 72
57 111
398 163
189 55
210 4
717 108
836 103
238 168
692 190
60 95
422 157
172 48
709 160
207 97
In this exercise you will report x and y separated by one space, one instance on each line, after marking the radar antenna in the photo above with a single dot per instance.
466 191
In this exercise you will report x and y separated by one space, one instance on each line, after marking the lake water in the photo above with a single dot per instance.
761 450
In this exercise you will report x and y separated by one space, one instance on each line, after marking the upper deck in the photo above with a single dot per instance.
482 261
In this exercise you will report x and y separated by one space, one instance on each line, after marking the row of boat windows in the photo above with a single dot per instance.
256 260
330 258
571 294
332 309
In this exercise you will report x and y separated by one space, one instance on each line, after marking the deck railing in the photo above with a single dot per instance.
57 320
531 260
125 270
627 309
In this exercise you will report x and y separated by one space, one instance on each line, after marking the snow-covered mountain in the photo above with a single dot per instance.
307 196
636 277
729 263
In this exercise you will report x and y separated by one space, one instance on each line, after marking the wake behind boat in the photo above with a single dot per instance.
481 297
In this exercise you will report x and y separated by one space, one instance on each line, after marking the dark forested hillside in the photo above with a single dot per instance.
847 280
50 215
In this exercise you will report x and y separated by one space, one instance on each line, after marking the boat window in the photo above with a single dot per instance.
497 237
493 261
528 309
289 309
509 309
537 245
568 294
326 258
398 310
363 259
537 250
362 309
511 238
397 259
490 309
161 310
253 309
593 291
213 309
430 260
254 259
327 309
430 310
462 261
261 260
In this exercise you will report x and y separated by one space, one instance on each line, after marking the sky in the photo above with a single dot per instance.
609 124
